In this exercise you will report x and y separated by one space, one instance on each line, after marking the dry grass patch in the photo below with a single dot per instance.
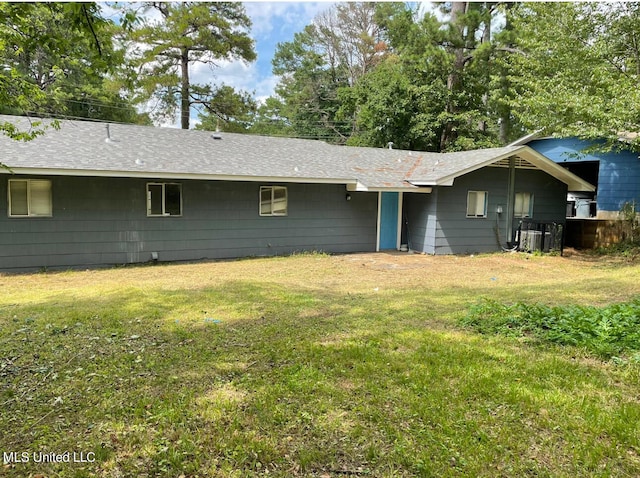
311 365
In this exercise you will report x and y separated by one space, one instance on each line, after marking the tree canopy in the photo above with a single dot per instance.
460 76
66 58
419 82
474 74
580 71
331 54
186 33
59 59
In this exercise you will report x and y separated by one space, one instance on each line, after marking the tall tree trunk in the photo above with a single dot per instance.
453 80
504 110
185 104
486 38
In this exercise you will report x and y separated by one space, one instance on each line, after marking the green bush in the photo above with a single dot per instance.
604 331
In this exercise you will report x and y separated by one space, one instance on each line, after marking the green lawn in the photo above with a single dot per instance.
312 365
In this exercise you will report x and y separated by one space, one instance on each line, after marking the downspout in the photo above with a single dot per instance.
511 199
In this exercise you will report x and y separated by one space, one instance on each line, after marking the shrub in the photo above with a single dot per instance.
604 331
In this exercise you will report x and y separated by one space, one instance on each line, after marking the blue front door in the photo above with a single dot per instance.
388 227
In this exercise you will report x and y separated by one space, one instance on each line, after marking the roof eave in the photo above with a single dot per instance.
173 175
573 182
526 139
450 178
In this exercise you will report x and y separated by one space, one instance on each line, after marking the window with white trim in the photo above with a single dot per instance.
523 205
477 203
164 199
30 198
273 201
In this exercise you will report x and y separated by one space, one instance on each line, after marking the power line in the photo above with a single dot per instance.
320 136
62 116
96 103
41 114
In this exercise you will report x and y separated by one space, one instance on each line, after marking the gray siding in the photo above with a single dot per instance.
454 233
420 215
550 195
102 221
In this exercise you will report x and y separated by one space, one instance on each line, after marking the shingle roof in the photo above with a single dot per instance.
84 147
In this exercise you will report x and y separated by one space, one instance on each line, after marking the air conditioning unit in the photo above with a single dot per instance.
530 241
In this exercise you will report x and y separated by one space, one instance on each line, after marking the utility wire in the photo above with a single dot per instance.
98 120
97 103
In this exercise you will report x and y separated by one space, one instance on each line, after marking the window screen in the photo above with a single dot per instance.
273 201
523 205
19 198
30 197
477 204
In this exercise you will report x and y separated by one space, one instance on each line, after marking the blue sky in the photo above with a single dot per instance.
275 22
272 22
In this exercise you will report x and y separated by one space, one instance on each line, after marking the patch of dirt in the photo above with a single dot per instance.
577 277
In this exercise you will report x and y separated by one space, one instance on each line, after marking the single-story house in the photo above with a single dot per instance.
92 194
616 174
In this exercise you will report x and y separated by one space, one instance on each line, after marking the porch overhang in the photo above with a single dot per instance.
528 159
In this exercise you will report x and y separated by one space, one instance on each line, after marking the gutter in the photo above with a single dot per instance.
176 176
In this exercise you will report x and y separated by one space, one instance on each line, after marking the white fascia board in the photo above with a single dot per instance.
540 161
450 178
422 190
526 139
573 182
423 184
173 176
359 187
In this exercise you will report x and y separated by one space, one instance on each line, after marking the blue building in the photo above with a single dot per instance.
615 174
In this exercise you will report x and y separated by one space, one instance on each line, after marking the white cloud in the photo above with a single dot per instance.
282 19
238 74
266 87
430 7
